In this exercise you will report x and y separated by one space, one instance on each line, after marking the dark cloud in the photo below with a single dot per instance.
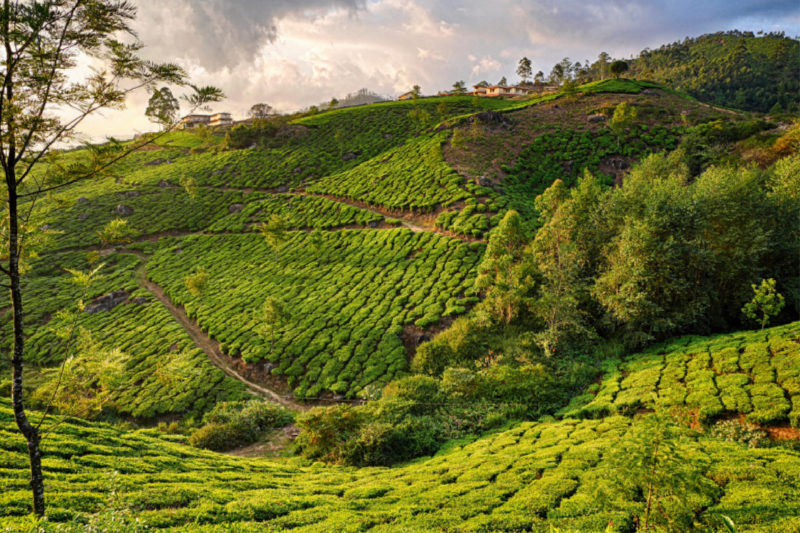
220 33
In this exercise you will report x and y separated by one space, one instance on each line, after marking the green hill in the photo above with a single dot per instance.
532 477
732 69
498 290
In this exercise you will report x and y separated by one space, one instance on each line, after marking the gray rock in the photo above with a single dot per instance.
132 194
83 216
269 367
651 92
373 224
82 200
338 397
283 188
596 119
387 135
140 300
45 227
165 184
298 170
106 303
173 348
235 208
483 181
349 156
123 210
491 117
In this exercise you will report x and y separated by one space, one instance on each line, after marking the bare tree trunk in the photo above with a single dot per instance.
30 432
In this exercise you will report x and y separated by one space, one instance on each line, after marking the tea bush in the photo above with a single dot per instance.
349 303
233 424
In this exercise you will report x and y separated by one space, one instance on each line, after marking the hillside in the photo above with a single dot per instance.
532 477
734 69
489 296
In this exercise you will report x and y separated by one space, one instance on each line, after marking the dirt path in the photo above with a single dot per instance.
202 340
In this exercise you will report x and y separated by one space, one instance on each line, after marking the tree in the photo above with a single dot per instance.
163 107
539 78
602 62
502 82
618 68
459 88
524 70
42 43
557 74
442 108
317 241
624 115
416 92
654 460
274 232
261 111
419 116
502 275
767 302
339 138
483 83
333 103
273 314
197 283
115 232
189 185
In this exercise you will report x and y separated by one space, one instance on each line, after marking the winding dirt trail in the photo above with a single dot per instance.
202 340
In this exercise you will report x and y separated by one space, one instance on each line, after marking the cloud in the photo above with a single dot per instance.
294 53
220 34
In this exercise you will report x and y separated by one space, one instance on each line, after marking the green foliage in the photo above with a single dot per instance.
534 476
766 303
197 282
735 431
234 424
349 304
274 232
732 69
655 461
116 232
618 68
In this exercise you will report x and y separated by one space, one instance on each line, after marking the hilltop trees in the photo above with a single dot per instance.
524 70
618 68
459 88
261 111
43 43
163 107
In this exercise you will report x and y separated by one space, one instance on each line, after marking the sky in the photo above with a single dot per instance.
295 53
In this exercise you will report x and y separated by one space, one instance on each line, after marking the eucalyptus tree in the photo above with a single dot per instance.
44 100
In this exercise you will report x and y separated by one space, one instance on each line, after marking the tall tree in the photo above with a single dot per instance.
274 314
524 70
459 88
602 63
42 43
163 107
618 68
502 82
416 92
263 110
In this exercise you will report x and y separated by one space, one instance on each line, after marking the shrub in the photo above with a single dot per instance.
233 424
735 431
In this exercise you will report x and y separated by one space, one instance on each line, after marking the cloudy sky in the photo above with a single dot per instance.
294 53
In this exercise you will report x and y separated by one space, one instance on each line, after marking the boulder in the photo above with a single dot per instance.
173 348
155 162
83 216
349 156
387 135
106 303
123 210
140 300
82 200
491 117
235 208
269 367
596 119
338 398
45 227
165 184
483 181
298 170
373 224
132 194
650 92
283 188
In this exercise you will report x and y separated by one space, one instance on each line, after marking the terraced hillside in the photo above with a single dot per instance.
529 478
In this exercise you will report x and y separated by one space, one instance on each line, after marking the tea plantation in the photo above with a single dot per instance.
349 301
531 478
753 373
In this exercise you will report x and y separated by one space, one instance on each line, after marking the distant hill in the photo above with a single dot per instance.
732 69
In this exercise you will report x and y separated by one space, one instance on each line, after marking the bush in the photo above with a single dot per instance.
233 424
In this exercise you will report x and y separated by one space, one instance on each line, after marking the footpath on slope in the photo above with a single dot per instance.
203 341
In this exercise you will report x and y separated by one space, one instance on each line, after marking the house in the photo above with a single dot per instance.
218 119
407 96
444 93
221 119
501 90
192 121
